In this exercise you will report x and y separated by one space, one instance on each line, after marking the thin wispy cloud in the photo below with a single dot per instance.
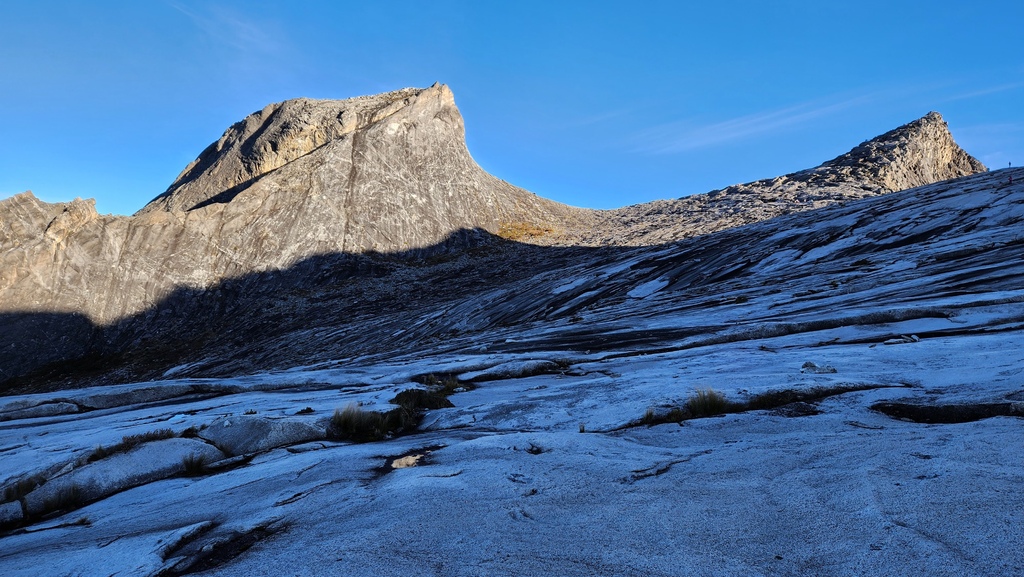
232 30
600 118
683 136
985 91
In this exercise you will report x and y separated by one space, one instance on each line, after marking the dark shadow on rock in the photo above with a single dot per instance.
445 298
228 322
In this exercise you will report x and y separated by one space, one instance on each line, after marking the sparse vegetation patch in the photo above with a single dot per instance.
130 442
66 499
194 465
522 230
706 403
22 487
354 424
709 402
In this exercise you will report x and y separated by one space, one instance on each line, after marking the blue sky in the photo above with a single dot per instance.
598 104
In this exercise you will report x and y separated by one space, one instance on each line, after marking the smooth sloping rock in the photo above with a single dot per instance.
144 464
239 435
300 186
40 410
10 513
512 370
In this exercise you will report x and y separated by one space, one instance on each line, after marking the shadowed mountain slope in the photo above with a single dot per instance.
832 392
866 356
307 181
298 179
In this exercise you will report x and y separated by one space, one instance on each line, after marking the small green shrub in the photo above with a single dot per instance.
707 402
249 412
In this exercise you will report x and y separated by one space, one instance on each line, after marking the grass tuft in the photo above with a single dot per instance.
66 499
707 402
650 417
676 415
128 443
354 424
190 433
194 465
22 487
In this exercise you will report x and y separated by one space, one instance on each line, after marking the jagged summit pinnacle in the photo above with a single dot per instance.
276 135
918 153
915 154
305 185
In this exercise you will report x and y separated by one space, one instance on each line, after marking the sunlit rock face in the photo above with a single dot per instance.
306 186
302 178
915 154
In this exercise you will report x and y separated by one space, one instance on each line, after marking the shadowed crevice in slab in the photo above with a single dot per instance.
948 414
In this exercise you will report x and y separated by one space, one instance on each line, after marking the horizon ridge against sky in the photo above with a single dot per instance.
583 103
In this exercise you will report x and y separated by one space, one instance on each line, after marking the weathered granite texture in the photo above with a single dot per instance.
301 178
296 193
918 153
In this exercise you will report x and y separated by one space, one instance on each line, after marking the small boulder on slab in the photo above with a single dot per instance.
244 434
145 463
814 368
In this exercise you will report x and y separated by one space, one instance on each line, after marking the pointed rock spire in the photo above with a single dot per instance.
917 153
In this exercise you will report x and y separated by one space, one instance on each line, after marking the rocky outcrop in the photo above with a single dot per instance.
299 179
303 187
97 480
267 140
247 434
385 173
915 154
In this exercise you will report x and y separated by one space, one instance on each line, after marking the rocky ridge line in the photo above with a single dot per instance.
915 154
301 186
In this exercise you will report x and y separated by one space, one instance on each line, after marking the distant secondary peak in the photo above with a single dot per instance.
920 152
